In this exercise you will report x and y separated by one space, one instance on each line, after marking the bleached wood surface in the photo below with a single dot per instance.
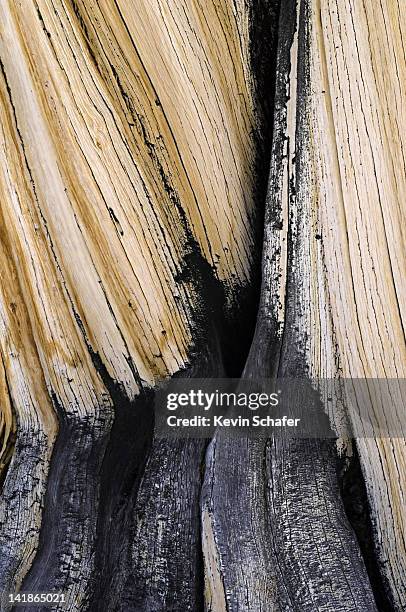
356 201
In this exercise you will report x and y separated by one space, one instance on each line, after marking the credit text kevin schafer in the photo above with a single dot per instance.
218 400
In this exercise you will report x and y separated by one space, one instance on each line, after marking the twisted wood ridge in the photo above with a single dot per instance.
136 141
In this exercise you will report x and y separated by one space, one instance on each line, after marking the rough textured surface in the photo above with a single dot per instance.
135 143
334 236
131 149
355 194
295 549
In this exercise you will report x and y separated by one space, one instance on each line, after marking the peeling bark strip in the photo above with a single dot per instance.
135 137
287 544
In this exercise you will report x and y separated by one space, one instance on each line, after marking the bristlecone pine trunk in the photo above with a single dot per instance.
199 188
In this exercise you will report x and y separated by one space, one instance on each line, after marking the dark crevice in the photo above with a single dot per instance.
355 499
12 437
222 330
241 318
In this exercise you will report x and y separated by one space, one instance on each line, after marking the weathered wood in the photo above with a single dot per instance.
130 152
354 194
332 282
287 544
135 137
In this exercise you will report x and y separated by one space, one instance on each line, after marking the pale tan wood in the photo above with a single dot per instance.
89 150
127 149
347 222
359 143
